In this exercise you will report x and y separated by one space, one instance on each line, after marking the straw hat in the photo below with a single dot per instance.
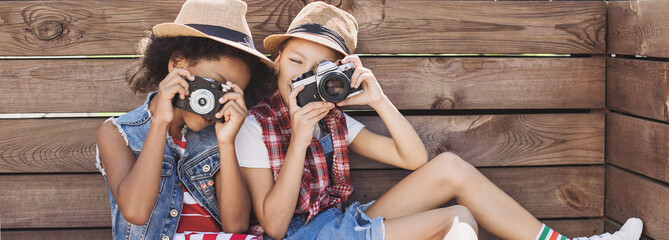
220 20
321 23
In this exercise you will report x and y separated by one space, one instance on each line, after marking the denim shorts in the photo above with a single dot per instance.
333 224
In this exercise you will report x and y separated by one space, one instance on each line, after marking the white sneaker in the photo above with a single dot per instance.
631 230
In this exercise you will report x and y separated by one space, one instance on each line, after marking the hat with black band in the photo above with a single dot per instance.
321 23
220 20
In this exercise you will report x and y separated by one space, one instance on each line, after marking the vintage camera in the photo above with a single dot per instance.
328 82
202 98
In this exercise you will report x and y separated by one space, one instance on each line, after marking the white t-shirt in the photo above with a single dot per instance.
251 149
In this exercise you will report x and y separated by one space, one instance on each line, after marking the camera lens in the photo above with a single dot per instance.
202 101
334 87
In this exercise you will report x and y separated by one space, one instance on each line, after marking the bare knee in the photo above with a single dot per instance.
460 223
451 170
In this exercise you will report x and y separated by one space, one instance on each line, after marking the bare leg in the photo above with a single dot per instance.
448 177
454 221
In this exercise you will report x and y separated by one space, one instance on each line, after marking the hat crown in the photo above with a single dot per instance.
228 14
340 21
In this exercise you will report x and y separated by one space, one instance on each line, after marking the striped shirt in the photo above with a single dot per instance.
196 223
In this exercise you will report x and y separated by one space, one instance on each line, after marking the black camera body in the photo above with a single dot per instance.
202 98
328 82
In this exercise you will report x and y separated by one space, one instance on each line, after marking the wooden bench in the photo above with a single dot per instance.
517 88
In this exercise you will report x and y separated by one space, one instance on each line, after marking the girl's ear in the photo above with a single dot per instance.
278 57
176 61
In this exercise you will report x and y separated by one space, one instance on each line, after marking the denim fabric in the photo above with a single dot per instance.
353 223
194 168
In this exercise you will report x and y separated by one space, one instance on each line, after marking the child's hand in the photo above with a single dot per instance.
304 119
234 112
372 94
173 84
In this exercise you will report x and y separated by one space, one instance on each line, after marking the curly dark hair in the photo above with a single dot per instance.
145 75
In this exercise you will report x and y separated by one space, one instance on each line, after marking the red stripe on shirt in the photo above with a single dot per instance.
204 223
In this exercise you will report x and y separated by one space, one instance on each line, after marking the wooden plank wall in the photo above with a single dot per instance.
637 128
533 124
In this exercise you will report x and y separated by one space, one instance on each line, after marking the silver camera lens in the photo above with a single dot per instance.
202 101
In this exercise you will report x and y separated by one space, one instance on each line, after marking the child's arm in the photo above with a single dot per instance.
233 199
274 202
134 182
404 149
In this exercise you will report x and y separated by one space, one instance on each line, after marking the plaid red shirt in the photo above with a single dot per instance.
315 193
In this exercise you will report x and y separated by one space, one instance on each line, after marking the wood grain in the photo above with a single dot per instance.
445 83
56 234
66 86
505 140
638 87
553 192
638 28
630 195
638 145
80 200
68 145
48 145
425 26
491 83
54 201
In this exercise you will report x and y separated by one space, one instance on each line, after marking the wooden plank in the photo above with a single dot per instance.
56 234
48 145
67 145
553 192
638 87
638 145
505 140
491 83
567 227
638 28
445 83
80 200
630 195
54 201
66 86
419 26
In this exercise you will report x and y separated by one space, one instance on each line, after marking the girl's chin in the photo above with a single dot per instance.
199 122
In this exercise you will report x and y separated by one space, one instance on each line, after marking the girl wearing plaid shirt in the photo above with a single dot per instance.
294 159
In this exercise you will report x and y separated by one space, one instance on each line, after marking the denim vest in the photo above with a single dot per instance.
194 169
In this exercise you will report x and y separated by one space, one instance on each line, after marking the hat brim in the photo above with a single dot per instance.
273 42
181 30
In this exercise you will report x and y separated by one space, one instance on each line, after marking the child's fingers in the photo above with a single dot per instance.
315 114
183 73
237 94
365 77
292 98
355 78
317 105
235 87
175 89
231 108
345 102
352 58
231 96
